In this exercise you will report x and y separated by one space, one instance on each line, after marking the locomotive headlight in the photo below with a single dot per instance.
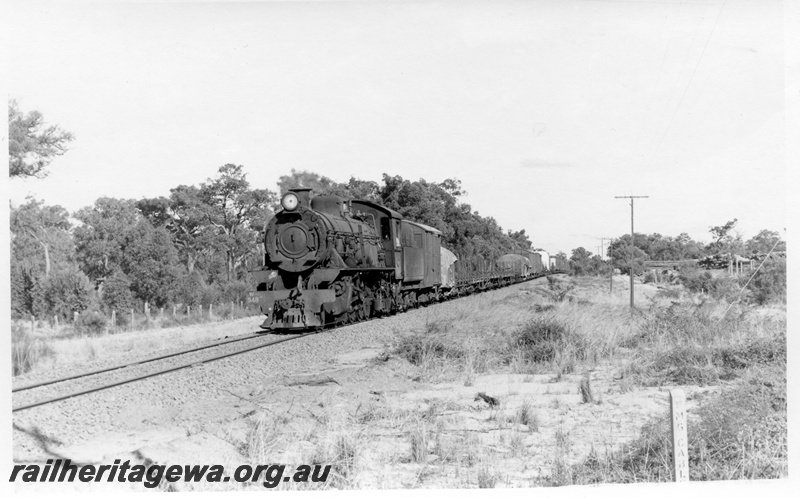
289 202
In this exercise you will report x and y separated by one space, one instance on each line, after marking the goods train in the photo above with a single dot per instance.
330 261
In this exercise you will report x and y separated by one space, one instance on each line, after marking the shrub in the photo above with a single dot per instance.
679 324
237 290
723 287
26 350
688 346
63 293
117 294
668 293
187 289
687 365
769 284
210 294
742 433
92 322
23 284
418 347
558 288
542 338
760 351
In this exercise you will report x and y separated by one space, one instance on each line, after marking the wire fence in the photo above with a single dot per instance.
91 323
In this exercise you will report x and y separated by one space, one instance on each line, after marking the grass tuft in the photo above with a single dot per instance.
486 477
418 439
526 415
419 348
563 441
26 350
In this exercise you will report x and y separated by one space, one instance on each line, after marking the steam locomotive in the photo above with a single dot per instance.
331 261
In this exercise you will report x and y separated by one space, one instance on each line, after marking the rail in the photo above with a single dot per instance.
153 374
164 370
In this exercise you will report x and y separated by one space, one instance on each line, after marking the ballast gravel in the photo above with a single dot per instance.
197 397
42 430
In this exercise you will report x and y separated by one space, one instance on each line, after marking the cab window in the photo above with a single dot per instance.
386 229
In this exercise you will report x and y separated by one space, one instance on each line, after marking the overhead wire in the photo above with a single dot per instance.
673 88
739 297
652 92
686 88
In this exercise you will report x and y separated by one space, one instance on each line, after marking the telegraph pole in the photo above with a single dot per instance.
630 260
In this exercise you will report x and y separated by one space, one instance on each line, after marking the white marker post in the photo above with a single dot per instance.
680 441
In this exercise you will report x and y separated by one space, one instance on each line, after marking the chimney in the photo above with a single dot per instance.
303 195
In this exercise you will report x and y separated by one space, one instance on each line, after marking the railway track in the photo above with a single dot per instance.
94 386
263 342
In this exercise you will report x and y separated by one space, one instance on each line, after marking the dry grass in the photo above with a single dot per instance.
418 439
739 434
70 349
685 344
664 341
672 338
487 476
27 350
526 415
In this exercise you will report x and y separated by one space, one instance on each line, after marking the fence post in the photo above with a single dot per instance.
210 311
188 310
131 318
680 441
173 310
113 319
75 316
55 320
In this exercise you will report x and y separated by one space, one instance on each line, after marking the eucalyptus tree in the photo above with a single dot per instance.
32 144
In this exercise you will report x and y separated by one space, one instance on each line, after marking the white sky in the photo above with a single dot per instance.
545 110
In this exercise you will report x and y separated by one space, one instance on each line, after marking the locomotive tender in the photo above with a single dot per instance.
331 261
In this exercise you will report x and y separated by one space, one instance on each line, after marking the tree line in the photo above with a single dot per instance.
192 247
196 245
656 247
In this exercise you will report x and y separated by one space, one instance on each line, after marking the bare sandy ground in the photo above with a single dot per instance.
374 418
400 432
